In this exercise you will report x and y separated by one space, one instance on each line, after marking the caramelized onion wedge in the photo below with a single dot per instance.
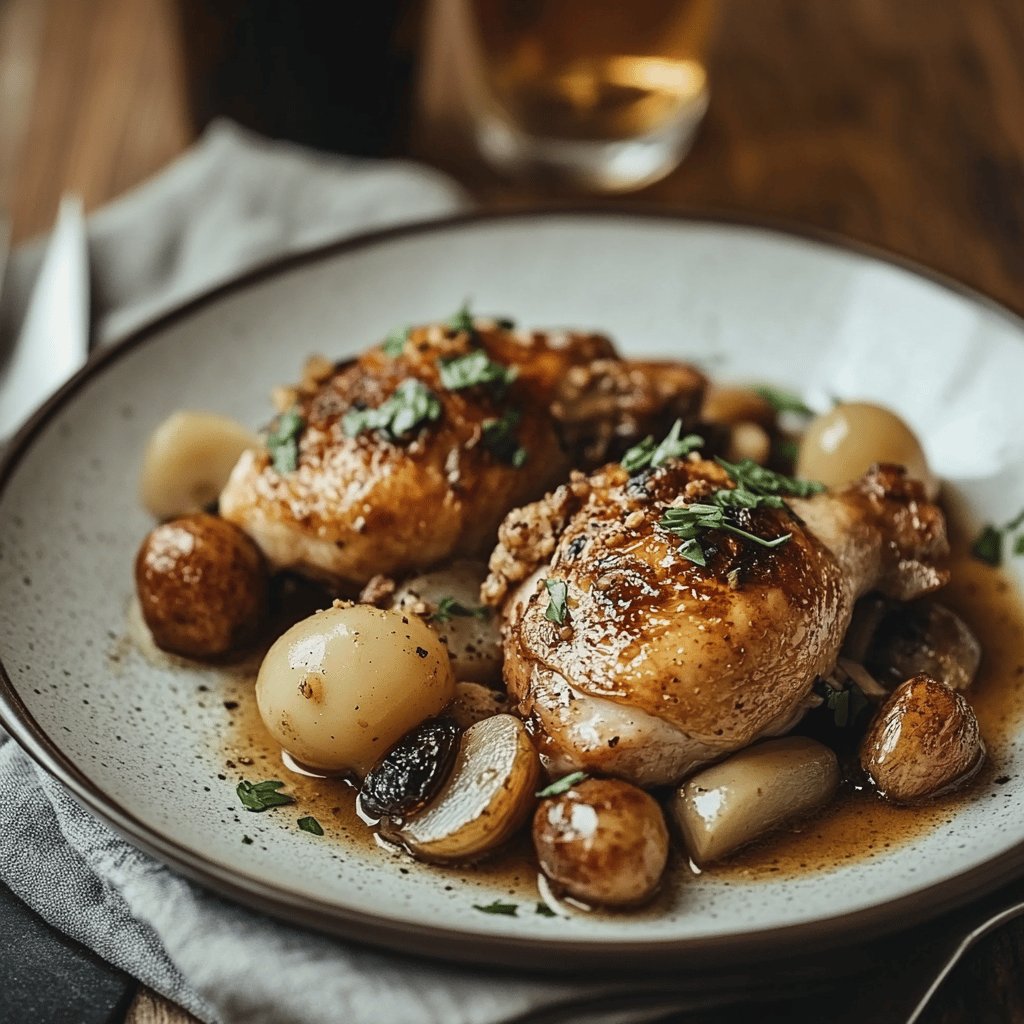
733 803
475 702
489 794
924 741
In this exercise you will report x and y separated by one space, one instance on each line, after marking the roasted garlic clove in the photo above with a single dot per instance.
924 740
188 460
603 841
489 794
756 790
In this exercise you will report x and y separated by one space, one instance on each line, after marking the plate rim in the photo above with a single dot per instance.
556 956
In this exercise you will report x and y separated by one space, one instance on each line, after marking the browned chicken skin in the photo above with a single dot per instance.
357 506
661 664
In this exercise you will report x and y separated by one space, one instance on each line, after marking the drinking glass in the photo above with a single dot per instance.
605 95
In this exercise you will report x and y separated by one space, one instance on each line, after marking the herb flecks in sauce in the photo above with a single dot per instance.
462 320
412 406
259 796
311 825
562 785
503 909
283 441
991 542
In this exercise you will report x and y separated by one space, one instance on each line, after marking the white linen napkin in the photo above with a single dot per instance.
233 202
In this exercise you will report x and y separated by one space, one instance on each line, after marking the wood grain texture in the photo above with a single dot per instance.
896 124
150 1008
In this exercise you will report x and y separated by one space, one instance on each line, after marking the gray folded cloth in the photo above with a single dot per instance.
233 202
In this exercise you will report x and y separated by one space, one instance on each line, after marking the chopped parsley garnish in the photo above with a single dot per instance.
505 909
283 441
562 785
756 488
557 594
545 911
749 476
462 320
499 438
475 369
448 607
394 343
413 405
989 544
311 825
648 454
258 796
783 401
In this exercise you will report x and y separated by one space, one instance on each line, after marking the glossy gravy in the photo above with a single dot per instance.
858 825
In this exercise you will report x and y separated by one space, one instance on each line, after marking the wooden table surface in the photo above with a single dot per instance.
896 124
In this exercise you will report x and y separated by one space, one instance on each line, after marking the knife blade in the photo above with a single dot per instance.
53 341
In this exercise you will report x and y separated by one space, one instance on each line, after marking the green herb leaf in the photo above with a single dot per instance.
689 522
394 343
783 401
557 593
261 795
1018 545
462 320
562 785
988 546
505 909
476 369
648 454
412 406
448 606
848 706
311 825
545 911
693 551
504 323
499 438
283 441
758 480
247 840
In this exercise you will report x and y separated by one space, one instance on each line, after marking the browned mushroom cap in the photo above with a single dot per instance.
604 842
924 740
202 586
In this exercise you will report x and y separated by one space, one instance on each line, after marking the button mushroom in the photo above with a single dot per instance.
488 795
603 841
202 586
756 790
924 741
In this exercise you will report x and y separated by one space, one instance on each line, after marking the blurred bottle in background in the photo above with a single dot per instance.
603 94
325 73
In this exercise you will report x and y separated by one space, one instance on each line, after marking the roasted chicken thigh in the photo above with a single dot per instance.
413 452
656 664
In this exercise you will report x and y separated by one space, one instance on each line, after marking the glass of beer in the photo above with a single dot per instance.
605 95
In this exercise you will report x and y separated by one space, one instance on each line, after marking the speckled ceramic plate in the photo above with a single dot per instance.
116 726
